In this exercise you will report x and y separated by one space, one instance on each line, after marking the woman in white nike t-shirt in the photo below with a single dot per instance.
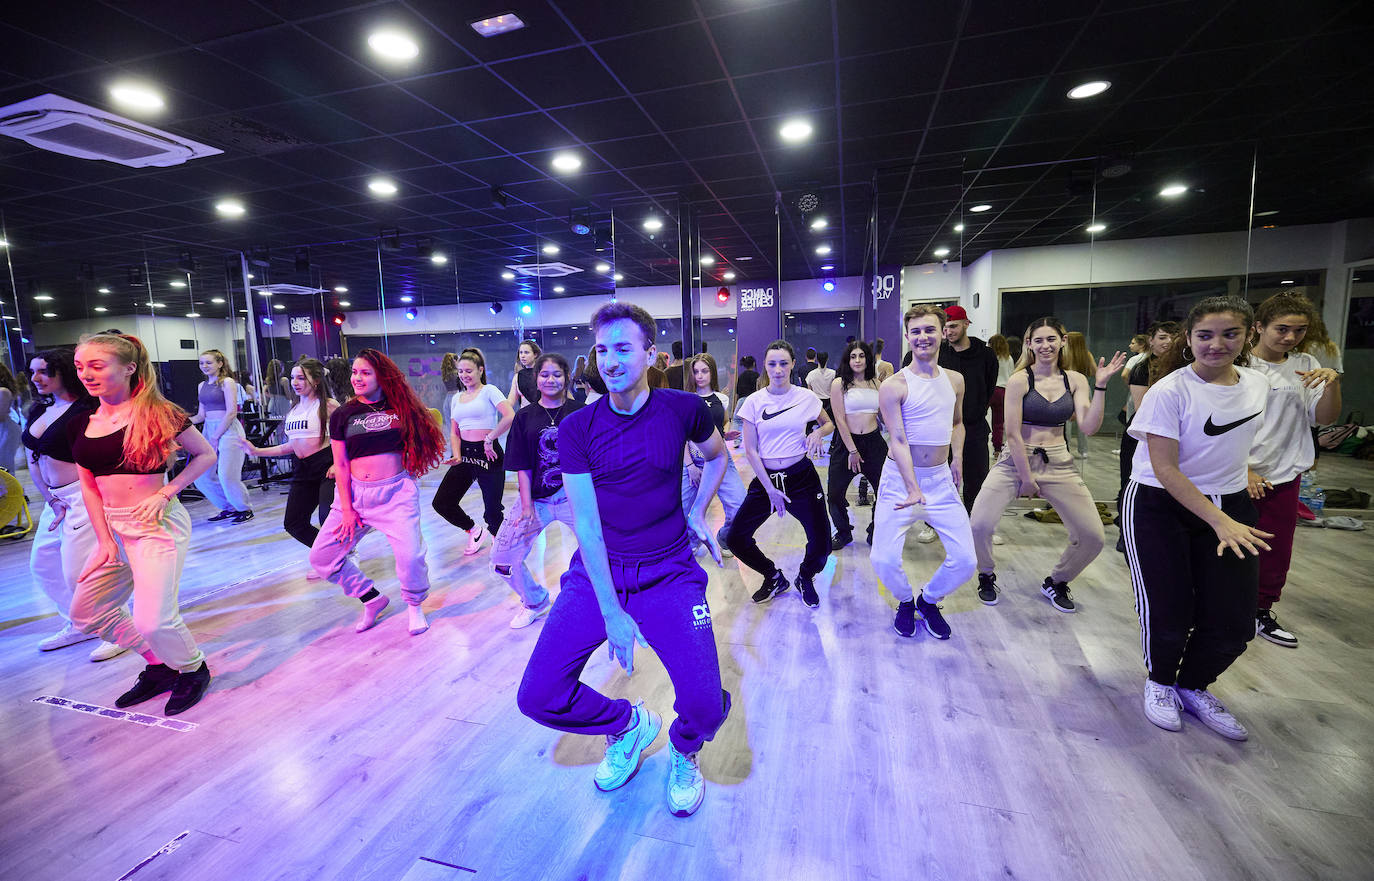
777 447
1189 522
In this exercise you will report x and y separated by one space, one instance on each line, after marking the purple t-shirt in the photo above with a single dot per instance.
636 466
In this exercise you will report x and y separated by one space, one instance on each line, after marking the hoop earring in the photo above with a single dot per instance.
1188 355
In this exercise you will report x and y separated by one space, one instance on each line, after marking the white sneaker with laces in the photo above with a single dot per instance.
527 616
926 535
1161 706
686 786
623 751
1209 711
998 539
68 635
475 537
107 650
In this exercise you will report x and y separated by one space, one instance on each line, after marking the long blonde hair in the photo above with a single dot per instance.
1054 324
1080 358
154 421
222 371
998 344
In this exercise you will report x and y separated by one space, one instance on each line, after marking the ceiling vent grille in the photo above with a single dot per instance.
543 270
273 289
59 125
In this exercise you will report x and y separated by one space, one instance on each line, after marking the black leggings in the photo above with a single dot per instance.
806 501
473 465
873 450
310 491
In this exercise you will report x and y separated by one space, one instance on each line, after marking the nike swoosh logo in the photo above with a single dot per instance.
1212 429
778 412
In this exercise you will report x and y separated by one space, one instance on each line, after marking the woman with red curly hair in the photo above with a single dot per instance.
383 441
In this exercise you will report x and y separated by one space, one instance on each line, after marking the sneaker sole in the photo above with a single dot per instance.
932 632
1056 606
1276 641
991 602
688 811
911 635
1229 734
655 726
771 596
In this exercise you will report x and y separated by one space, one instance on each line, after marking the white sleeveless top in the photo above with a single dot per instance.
860 400
928 411
304 421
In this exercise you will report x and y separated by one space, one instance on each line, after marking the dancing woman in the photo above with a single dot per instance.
383 441
478 417
10 429
1037 461
779 449
524 390
858 447
219 413
1191 537
122 450
706 383
307 438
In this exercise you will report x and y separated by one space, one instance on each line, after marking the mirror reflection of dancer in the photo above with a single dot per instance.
307 438
633 578
858 447
922 407
1042 396
524 389
1191 540
63 539
219 414
1302 394
778 448
478 417
122 449
706 383
383 440
533 456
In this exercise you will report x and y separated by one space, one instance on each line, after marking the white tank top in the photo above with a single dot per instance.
860 400
304 421
928 411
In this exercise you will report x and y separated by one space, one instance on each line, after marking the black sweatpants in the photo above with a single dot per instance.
976 462
1197 610
873 450
1124 461
490 476
310 491
806 501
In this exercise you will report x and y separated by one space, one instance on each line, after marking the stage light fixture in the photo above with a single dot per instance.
525 309
411 313
499 198
495 308
828 286
338 319
580 224
723 295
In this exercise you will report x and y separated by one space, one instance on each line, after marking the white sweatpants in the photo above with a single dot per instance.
943 511
58 555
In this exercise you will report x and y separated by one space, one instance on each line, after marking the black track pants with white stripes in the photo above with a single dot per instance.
1197 610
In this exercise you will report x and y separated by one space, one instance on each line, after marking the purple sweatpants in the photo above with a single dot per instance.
667 599
1278 513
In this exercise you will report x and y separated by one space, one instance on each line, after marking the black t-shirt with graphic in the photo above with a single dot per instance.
366 429
533 446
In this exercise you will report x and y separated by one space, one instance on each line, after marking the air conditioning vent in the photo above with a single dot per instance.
53 123
544 270
271 289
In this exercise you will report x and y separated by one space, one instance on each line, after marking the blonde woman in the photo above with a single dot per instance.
122 450
219 414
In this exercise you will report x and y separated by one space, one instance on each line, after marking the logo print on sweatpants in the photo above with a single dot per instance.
701 616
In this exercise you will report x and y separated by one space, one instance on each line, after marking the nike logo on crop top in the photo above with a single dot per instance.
1212 429
767 415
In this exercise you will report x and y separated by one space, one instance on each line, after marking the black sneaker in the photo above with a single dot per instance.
1267 626
774 585
840 539
226 514
905 622
870 533
936 625
863 500
155 679
243 516
987 588
188 690
1121 543
808 591
1057 592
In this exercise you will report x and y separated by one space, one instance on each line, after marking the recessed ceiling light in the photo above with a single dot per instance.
958 227
603 267
653 224
744 258
795 130
508 275
820 223
340 289
438 259
100 309
178 284
407 299
251 276
344 304
393 45
1087 90
217 300
244 311
729 276
550 249
942 252
192 314
382 187
1096 228
4 243
158 305
43 298
264 293
49 314
230 208
500 24
279 306
136 96
1174 190
558 289
707 260
979 209
1286 281
618 277
566 162
822 250
826 267
1265 213
102 290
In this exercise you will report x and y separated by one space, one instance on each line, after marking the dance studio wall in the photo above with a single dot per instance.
161 334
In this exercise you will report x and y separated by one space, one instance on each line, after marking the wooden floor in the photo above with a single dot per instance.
1015 750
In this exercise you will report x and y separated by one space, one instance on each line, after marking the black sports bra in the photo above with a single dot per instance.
1037 411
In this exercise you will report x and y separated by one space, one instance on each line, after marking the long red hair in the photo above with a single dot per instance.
422 445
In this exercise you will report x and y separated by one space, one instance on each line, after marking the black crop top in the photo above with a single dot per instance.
366 429
103 456
1035 410
526 384
54 442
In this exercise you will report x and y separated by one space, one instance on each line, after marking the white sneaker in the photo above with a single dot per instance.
686 786
998 540
527 616
623 751
107 650
926 535
1161 706
68 635
1209 711
475 537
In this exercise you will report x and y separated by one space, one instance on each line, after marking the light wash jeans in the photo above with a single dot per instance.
514 541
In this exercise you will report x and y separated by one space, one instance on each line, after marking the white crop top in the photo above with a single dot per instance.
480 412
304 421
928 411
860 400
781 420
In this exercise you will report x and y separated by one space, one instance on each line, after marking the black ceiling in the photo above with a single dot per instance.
941 106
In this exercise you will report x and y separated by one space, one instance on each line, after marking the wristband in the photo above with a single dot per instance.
164 495
1098 388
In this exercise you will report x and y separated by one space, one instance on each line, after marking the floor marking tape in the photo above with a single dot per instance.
166 848
450 865
109 713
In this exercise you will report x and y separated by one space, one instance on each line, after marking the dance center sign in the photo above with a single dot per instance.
759 320
882 306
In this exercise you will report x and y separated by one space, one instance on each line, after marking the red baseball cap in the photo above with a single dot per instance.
956 313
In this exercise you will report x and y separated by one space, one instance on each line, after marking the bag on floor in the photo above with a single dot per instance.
1347 498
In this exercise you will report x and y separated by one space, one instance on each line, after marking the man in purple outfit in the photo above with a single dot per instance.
633 578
